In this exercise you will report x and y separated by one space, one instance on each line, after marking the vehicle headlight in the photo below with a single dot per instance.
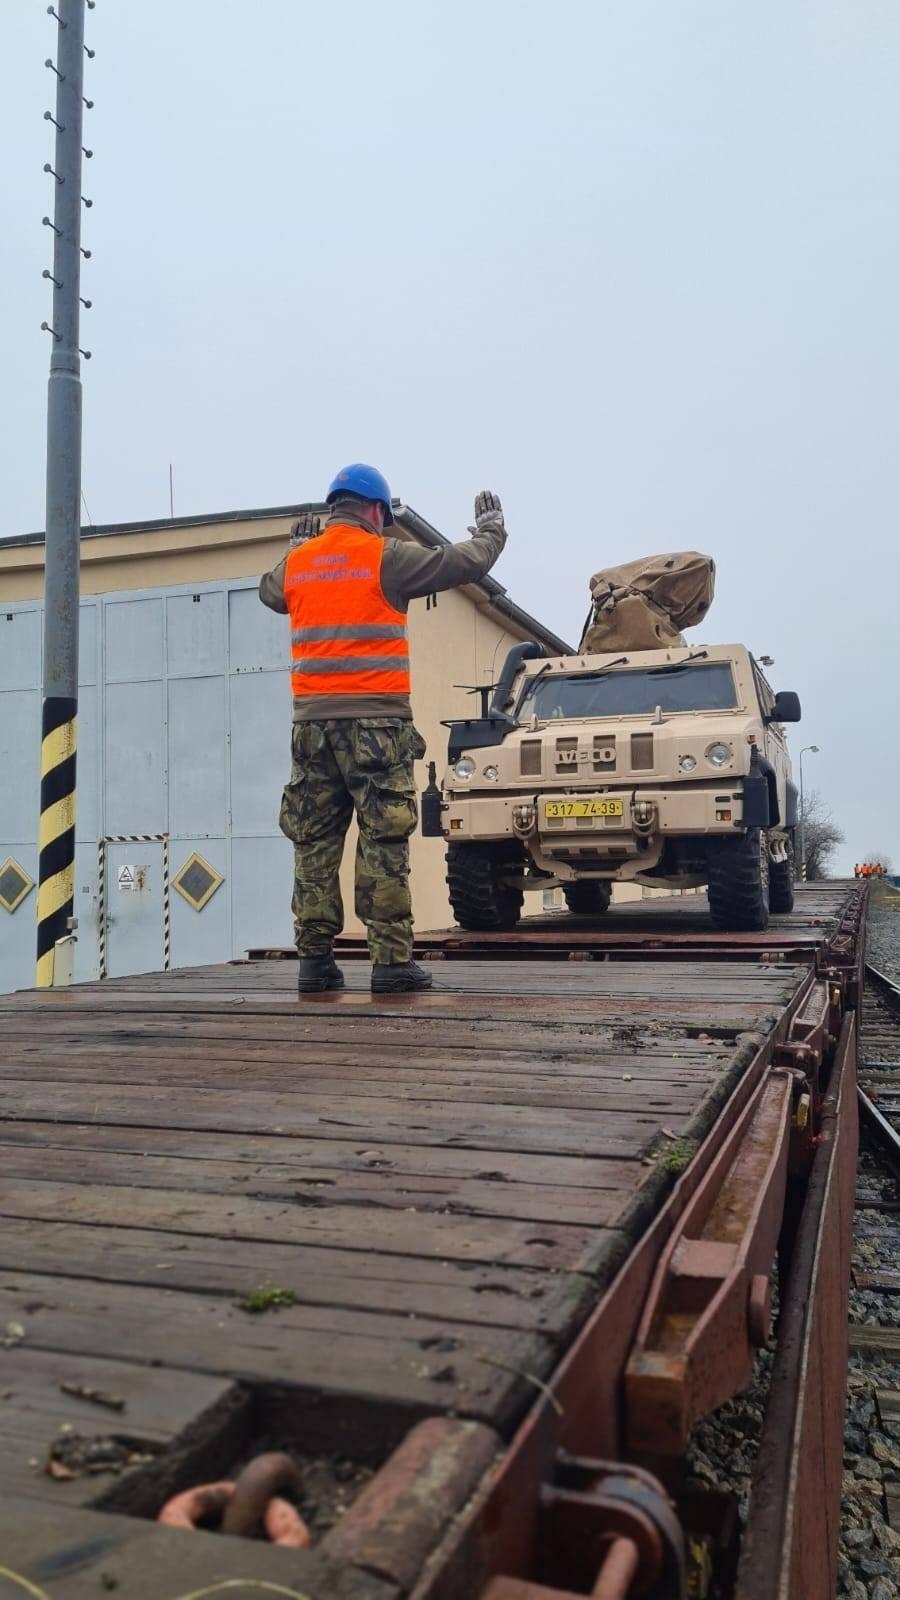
718 755
687 763
464 769
491 773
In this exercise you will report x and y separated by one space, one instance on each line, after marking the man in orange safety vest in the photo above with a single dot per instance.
346 591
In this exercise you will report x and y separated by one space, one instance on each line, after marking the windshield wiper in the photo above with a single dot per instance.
676 666
597 671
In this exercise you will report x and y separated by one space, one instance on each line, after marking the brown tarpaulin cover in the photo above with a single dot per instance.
644 604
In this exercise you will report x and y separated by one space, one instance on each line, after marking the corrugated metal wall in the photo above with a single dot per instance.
184 717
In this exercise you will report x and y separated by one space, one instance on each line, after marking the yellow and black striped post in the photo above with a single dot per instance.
56 885
56 874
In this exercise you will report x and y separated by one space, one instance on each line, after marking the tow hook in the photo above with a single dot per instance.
523 818
643 815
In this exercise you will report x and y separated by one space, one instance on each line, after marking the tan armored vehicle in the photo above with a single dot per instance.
666 766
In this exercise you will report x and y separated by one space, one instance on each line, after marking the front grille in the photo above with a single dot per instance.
642 752
604 753
566 754
530 758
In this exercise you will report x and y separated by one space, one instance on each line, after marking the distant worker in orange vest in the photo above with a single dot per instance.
346 591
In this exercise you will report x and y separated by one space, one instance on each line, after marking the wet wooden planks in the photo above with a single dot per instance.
443 1183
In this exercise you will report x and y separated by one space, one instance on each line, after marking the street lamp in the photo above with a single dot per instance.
814 749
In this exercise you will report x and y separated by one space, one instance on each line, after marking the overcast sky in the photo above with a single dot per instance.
632 263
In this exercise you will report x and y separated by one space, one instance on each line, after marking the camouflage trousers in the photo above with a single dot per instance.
340 766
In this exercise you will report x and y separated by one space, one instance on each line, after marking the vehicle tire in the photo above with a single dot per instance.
781 881
589 897
481 903
738 884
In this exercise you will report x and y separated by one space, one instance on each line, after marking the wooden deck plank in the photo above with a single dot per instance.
402 1035
70 1554
406 1361
557 1094
496 1128
497 976
497 1295
608 1070
381 1188
561 1246
283 1152
158 1403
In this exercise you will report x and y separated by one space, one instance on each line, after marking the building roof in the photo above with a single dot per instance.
404 516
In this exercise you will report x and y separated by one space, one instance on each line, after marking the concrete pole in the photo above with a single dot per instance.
56 873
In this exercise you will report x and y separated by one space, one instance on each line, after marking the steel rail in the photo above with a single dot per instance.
877 1124
882 980
882 1130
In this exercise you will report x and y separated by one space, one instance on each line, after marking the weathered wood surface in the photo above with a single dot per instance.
66 1554
444 1183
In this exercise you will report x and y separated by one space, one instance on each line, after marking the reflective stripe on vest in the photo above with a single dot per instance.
346 639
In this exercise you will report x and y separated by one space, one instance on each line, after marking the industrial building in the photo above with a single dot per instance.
184 737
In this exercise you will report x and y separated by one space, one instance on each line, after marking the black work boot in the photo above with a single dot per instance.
401 977
318 974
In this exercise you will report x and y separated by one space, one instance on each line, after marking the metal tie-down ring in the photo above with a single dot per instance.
247 1506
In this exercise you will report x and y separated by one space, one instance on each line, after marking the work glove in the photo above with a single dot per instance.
306 527
488 511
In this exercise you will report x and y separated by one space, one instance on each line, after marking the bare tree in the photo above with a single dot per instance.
821 834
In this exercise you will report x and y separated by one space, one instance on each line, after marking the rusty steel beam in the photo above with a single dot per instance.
790 1543
579 1410
709 1307
397 1519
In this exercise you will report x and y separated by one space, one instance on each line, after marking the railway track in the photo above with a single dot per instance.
879 1066
869 1559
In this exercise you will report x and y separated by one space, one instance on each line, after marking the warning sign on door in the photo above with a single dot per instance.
125 878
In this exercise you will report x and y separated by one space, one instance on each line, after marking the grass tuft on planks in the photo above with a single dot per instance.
678 1156
261 1300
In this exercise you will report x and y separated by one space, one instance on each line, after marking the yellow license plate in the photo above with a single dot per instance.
584 808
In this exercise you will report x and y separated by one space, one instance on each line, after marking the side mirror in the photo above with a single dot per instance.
786 707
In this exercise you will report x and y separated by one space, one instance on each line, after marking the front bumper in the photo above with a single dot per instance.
647 813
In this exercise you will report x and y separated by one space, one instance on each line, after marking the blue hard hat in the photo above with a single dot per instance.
367 482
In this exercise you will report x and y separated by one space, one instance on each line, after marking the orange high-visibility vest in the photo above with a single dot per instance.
346 639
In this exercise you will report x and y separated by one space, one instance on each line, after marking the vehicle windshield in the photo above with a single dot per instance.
632 693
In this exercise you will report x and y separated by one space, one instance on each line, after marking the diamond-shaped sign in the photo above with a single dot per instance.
15 884
197 881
